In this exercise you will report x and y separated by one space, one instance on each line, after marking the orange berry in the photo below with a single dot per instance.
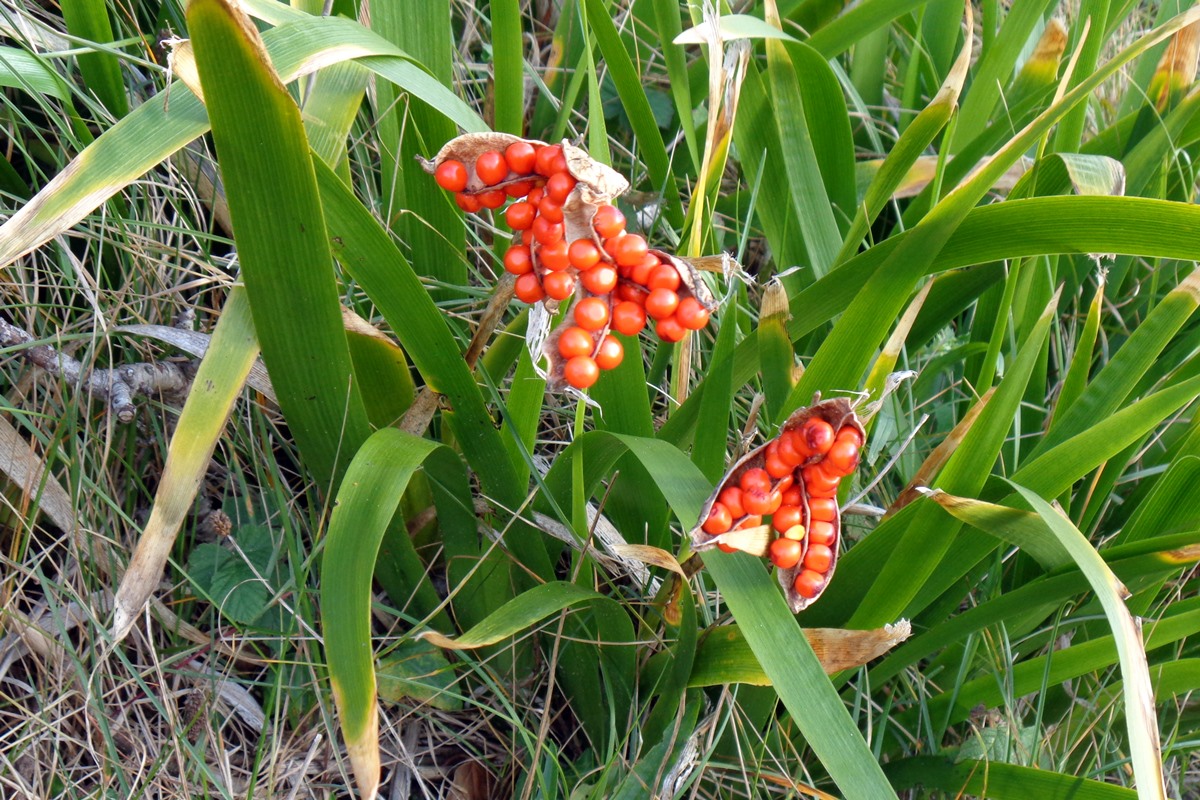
792 496
584 254
551 209
451 175
468 202
661 303
731 498
519 189
627 317
559 285
549 160
527 238
553 256
785 553
774 465
591 313
786 517
755 478
820 533
818 482
752 521
518 260
851 433
692 314
608 221
808 584
818 558
493 199
491 167
519 216
664 276
818 435
669 330
784 484
528 289
640 273
575 342
718 520
535 196
631 249
559 186
634 294
759 502
520 157
610 248
610 353
545 231
842 458
786 450
822 508
600 279
581 372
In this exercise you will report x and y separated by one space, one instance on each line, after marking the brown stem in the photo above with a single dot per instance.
117 386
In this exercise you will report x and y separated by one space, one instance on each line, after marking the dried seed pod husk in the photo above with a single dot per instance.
839 413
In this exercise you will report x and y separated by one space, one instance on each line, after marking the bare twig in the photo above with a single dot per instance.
117 386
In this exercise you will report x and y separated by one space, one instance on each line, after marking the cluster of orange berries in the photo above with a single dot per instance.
624 283
803 466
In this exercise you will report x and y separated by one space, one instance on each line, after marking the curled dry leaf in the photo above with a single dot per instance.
570 243
793 479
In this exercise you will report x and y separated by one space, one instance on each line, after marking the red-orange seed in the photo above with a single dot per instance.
719 521
549 160
628 317
493 199
808 584
581 372
528 289
559 186
610 353
451 175
600 279
731 498
549 208
519 216
545 231
517 260
584 255
669 330
468 202
785 553
820 533
818 558
664 276
491 167
575 342
608 221
785 517
520 157
559 285
692 315
553 256
591 313
822 508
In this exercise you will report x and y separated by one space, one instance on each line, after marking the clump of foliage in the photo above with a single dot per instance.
297 502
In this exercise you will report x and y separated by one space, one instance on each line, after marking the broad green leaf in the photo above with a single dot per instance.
366 502
1139 696
217 384
988 779
22 70
420 672
281 239
88 20
239 587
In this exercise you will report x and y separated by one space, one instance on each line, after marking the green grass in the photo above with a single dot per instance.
473 565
